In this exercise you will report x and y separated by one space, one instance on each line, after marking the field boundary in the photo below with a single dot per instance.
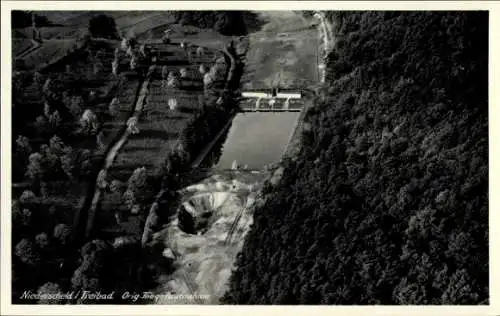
36 45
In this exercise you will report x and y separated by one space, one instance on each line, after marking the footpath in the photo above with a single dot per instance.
113 151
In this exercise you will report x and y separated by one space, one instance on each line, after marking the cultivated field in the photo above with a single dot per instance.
55 32
49 52
69 29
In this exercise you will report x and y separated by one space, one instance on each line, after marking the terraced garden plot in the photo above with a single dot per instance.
159 130
56 32
49 52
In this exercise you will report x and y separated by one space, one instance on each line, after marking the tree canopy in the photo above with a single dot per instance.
225 22
387 201
103 26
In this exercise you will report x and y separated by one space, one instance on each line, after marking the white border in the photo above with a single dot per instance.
494 184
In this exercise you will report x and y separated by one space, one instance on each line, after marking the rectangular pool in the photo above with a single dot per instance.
256 139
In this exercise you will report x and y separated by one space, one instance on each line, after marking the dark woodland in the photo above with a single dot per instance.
387 202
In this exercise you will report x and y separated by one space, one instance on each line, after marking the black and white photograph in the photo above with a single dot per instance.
247 156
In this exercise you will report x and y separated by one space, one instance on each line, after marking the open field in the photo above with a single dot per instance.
284 52
49 52
20 45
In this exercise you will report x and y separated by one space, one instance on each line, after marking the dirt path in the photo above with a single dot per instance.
113 152
36 45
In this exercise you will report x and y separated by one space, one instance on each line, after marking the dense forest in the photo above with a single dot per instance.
387 201
22 19
225 22
103 26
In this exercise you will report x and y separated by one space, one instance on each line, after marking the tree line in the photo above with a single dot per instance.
57 137
234 23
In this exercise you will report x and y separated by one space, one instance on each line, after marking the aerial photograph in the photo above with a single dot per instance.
240 157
